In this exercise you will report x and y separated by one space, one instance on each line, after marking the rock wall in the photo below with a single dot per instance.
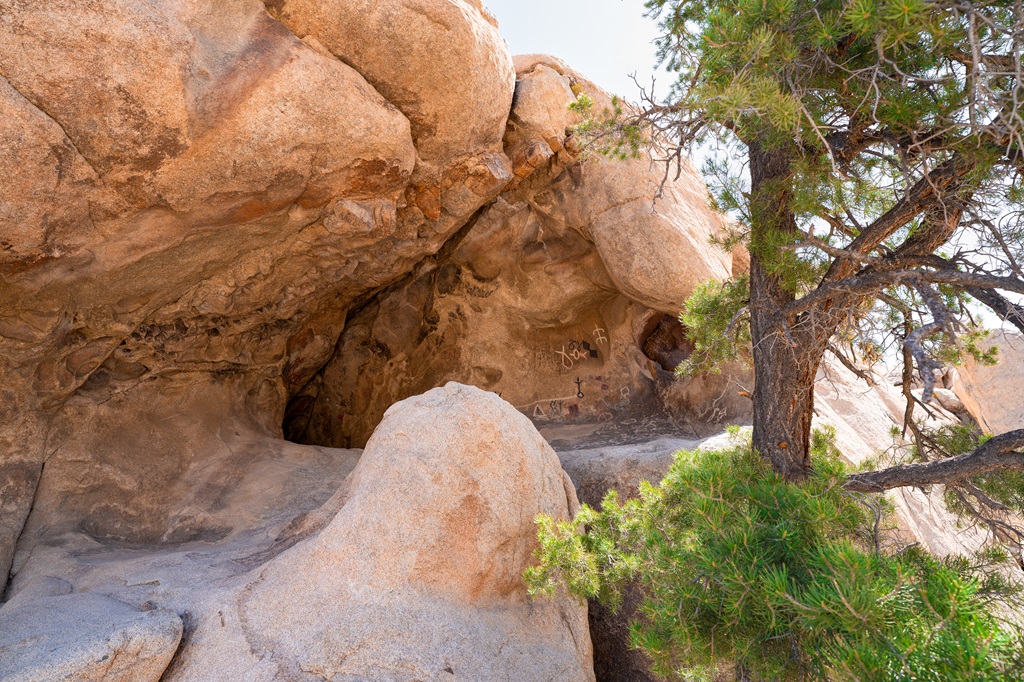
200 197
560 296
232 218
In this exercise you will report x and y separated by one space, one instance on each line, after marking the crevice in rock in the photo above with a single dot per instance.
311 390
187 629
665 342
4 596
37 107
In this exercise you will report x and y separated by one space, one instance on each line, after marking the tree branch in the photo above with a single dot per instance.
874 280
1002 452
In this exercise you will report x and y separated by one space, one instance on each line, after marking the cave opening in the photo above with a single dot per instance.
665 342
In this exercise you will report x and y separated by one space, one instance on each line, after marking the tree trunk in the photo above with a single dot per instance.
786 354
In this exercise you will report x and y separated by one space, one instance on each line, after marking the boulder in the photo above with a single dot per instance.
419 575
444 65
411 570
441 62
86 638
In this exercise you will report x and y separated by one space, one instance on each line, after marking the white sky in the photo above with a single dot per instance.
605 40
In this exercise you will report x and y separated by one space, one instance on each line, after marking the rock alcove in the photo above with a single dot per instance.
244 253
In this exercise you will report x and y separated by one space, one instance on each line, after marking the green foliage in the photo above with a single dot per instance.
738 566
1004 487
604 132
969 346
717 326
862 98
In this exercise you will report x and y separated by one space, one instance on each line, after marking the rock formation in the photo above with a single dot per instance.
233 222
561 296
994 394
86 637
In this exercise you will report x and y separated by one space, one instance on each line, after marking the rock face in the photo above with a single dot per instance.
200 197
85 637
561 296
232 217
992 393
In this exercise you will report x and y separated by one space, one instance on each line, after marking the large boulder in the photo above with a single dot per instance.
412 570
441 62
444 65
419 575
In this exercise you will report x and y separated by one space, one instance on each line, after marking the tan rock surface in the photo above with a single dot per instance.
994 395
429 548
441 62
86 638
556 298
412 570
200 194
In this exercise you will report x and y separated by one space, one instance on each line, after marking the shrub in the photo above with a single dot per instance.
738 567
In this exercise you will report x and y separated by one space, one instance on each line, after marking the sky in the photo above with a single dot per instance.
604 40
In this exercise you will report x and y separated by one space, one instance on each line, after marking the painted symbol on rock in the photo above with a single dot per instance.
578 350
599 335
574 411
579 388
538 413
582 349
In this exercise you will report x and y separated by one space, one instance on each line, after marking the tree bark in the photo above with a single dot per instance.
786 357
1000 453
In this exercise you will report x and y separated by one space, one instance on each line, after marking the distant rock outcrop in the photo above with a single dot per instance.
994 394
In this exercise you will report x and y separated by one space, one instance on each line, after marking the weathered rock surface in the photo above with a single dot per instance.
411 571
994 395
419 576
86 638
200 197
561 297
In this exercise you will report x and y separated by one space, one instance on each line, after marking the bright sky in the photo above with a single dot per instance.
605 40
